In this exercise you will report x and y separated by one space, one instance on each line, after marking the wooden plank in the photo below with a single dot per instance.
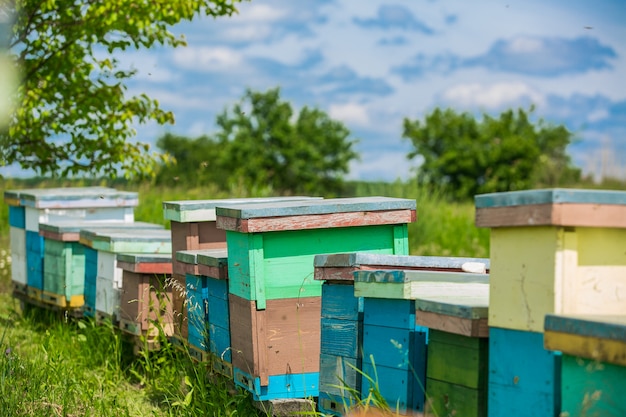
187 211
591 388
283 386
69 230
393 347
573 215
315 221
34 260
37 216
339 302
284 336
407 284
19 269
456 325
70 197
179 312
315 207
17 217
590 347
155 263
340 267
396 386
457 359
119 240
456 304
447 399
611 327
339 376
389 312
523 377
550 196
340 337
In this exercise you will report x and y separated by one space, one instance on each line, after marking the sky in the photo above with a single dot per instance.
372 63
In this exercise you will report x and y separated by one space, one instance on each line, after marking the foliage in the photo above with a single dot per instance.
73 112
468 156
261 143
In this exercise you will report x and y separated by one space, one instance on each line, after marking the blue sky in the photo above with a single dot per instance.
372 63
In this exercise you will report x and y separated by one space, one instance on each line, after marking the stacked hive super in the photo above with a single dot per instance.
401 309
553 251
28 209
342 325
275 305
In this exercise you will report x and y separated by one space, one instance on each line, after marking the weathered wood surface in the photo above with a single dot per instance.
204 210
524 378
574 215
264 266
187 261
69 230
592 388
64 269
601 338
413 284
284 386
213 263
34 260
454 313
285 337
18 255
340 267
71 197
152 263
194 236
17 217
552 270
35 216
550 196
458 359
315 221
120 240
145 300
454 400
179 312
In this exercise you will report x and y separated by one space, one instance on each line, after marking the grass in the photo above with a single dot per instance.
60 366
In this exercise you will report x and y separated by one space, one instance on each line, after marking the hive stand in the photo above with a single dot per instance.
193 228
30 207
593 369
274 301
103 278
145 307
394 341
342 316
64 259
553 251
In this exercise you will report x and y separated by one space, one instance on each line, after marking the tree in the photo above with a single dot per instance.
469 156
200 161
267 144
73 114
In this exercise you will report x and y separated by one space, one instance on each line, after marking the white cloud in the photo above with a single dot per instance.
598 115
492 96
525 45
259 13
350 113
207 59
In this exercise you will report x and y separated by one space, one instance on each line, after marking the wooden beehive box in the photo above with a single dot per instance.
593 369
554 251
342 315
394 342
209 325
193 228
145 299
30 207
64 259
458 352
108 277
186 261
271 248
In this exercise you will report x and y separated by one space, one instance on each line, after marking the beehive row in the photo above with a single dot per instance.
302 297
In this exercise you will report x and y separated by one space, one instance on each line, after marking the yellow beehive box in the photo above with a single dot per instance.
555 251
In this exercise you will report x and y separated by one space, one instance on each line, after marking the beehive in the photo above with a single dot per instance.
145 307
107 243
593 365
554 251
342 316
394 342
30 207
271 247
64 259
193 228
